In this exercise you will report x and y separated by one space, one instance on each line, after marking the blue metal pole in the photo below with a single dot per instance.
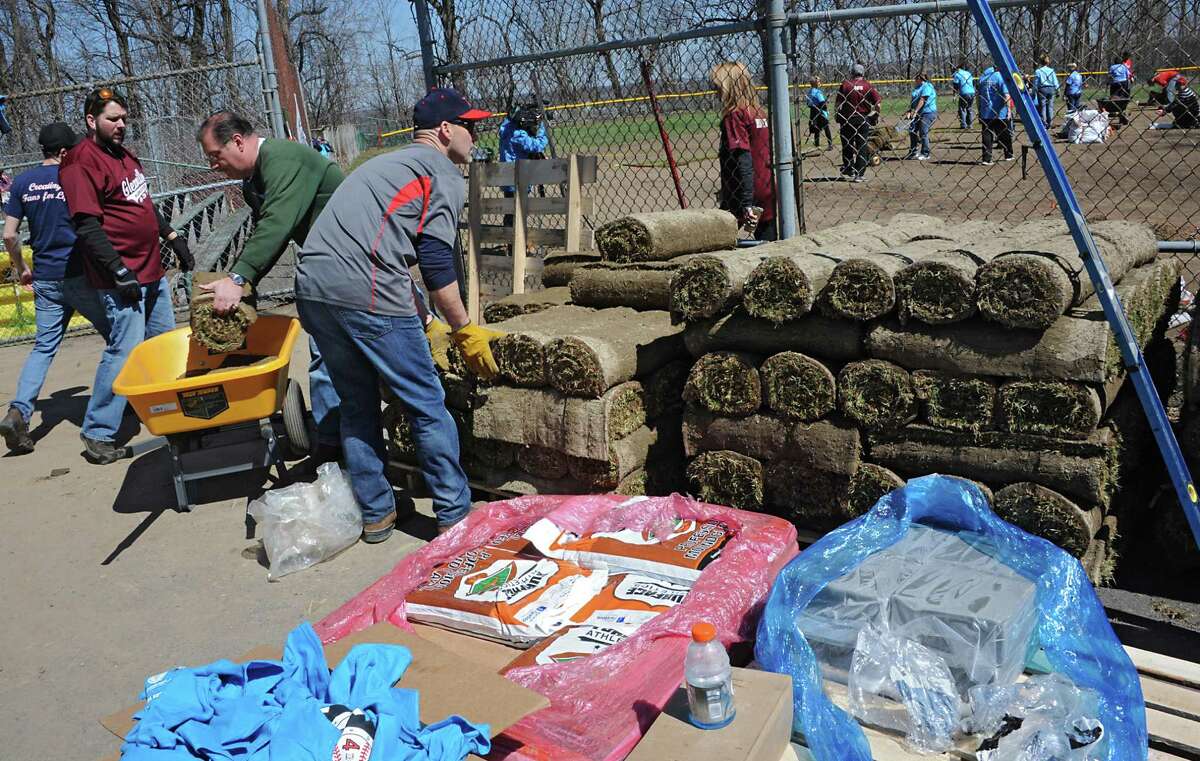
1131 353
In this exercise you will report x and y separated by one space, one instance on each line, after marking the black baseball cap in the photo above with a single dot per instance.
57 135
445 104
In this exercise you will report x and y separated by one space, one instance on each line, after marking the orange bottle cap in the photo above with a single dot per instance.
704 632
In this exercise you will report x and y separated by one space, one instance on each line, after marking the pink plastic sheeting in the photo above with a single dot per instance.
600 706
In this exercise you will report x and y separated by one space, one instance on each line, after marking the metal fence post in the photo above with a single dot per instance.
425 32
271 84
781 117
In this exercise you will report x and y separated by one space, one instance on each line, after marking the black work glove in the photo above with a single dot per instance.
126 284
183 255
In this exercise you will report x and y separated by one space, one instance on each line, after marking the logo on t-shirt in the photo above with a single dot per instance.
37 192
760 123
135 188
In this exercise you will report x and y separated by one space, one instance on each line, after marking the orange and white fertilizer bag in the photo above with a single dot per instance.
680 555
501 595
621 608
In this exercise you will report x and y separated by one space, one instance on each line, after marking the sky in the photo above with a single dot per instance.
405 25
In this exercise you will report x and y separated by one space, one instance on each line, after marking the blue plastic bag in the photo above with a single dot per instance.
1071 629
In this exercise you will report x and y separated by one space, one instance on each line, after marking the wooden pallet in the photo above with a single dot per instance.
1171 688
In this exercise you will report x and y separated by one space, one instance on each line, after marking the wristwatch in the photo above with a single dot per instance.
237 279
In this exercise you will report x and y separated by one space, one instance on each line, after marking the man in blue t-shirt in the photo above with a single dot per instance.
59 286
922 110
993 115
1119 90
1073 88
818 114
963 85
1045 82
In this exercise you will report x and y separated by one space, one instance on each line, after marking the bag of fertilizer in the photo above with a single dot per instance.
679 556
621 608
501 595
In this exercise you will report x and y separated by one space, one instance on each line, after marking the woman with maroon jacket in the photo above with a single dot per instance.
745 152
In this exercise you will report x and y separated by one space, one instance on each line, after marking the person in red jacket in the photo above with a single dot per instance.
857 108
745 151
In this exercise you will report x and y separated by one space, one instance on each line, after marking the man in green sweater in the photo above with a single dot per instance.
286 184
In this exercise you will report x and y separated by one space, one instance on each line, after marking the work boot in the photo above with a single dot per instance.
380 530
102 452
15 431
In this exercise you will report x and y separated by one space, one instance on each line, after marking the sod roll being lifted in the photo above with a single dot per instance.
218 332
1031 287
836 340
726 383
1048 514
525 303
1077 347
661 235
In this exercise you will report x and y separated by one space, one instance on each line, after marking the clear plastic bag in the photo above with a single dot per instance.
304 524
900 684
1046 718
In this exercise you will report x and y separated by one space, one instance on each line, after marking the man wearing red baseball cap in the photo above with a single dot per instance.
355 298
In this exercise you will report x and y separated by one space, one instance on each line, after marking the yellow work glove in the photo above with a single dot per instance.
438 334
474 343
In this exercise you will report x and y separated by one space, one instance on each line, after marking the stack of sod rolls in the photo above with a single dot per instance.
832 366
587 400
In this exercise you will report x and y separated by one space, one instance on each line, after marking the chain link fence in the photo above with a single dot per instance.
165 110
598 101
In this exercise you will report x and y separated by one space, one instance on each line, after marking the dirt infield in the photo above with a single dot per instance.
1140 175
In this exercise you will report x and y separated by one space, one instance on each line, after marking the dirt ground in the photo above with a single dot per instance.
1139 174
106 584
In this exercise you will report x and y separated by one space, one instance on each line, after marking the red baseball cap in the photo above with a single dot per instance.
445 104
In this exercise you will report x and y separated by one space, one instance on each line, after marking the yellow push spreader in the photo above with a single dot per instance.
199 400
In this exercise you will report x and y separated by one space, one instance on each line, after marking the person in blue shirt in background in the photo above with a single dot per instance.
1073 88
818 114
1045 82
993 115
59 286
963 85
522 136
1119 89
922 109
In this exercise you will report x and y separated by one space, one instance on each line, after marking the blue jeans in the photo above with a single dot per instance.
360 349
130 324
919 133
1045 104
322 398
965 114
1073 99
55 303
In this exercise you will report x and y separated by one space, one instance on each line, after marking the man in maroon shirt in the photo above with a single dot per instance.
857 109
109 200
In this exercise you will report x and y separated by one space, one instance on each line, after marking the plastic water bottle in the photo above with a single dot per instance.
709 679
